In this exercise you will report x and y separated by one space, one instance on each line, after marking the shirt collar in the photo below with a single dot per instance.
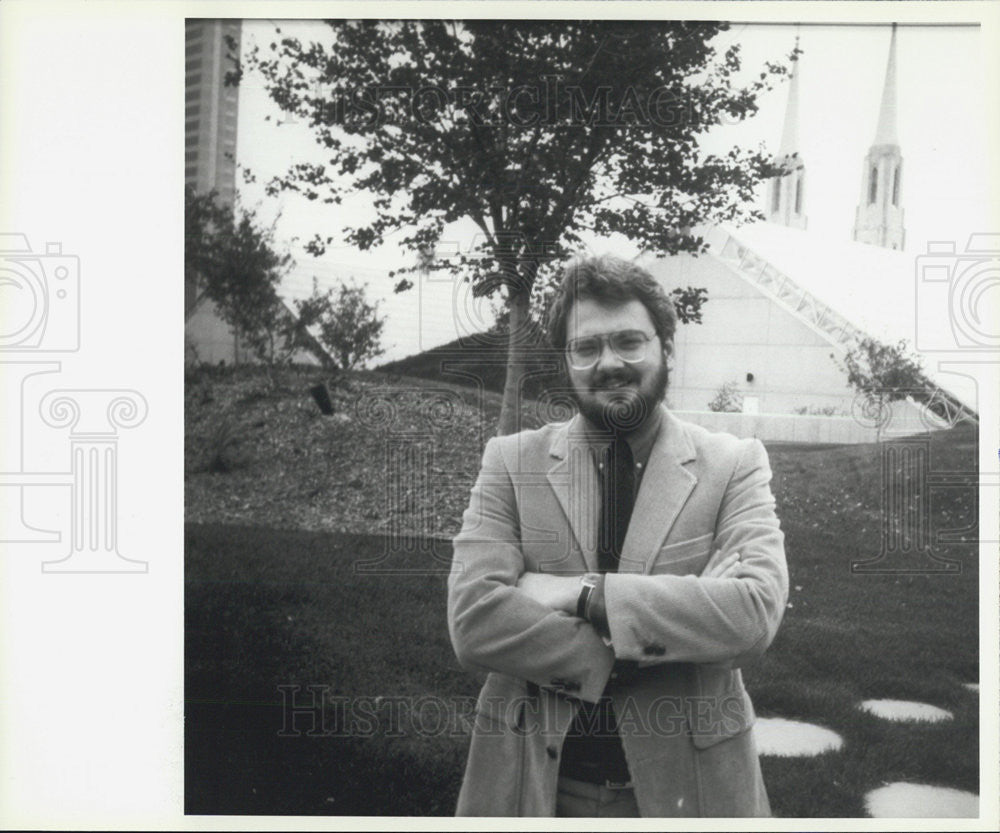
640 441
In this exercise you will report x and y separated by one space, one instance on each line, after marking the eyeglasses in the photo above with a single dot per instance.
628 345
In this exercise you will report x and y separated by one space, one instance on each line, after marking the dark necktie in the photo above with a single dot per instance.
593 749
617 500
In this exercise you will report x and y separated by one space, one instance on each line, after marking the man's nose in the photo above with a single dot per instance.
608 359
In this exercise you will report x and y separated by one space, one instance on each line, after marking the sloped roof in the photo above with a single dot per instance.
878 291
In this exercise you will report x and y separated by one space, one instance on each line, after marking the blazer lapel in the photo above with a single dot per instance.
574 481
666 486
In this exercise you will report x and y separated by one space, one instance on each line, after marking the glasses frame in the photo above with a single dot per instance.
605 339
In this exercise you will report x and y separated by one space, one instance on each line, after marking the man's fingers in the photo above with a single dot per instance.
715 563
721 567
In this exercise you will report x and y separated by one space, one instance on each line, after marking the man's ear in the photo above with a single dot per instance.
668 348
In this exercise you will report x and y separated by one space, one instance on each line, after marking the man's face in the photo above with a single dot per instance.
616 394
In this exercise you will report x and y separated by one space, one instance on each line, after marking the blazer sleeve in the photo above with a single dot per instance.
670 618
493 625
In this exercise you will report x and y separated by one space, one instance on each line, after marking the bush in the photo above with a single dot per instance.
728 399
820 410
221 455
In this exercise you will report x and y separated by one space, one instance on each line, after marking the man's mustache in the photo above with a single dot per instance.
613 378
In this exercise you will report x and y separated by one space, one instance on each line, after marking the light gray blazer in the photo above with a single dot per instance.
685 718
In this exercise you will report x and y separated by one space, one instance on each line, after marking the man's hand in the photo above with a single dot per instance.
722 566
562 592
556 592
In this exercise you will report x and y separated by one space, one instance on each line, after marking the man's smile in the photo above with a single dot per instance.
613 384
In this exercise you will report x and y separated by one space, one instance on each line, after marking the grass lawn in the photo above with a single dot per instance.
267 608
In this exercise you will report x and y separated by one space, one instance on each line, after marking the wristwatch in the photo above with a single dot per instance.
588 581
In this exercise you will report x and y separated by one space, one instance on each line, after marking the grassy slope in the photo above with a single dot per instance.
266 608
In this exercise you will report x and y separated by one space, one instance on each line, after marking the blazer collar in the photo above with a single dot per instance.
666 486
672 440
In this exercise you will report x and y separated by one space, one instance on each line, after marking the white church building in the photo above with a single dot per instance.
786 304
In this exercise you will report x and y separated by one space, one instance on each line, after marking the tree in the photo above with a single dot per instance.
728 399
350 327
536 131
882 374
235 261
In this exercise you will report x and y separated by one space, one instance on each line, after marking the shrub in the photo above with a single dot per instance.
819 410
221 447
727 399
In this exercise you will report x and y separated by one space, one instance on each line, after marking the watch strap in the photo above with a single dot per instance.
587 584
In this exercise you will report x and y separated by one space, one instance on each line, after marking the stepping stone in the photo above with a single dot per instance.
791 738
971 686
921 801
905 710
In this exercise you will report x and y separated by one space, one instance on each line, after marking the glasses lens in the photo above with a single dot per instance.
630 345
583 352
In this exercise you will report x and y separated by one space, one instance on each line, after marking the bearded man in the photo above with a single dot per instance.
612 575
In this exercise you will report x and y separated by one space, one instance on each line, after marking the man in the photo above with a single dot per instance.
612 574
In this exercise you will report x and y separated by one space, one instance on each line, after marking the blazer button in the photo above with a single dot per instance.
552 752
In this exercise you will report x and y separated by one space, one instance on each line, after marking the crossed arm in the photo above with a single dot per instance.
562 592
503 618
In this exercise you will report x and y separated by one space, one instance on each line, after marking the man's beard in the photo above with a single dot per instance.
623 414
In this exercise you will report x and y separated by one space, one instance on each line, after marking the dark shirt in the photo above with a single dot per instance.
593 749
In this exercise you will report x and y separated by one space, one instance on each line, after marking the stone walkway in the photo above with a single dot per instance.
777 736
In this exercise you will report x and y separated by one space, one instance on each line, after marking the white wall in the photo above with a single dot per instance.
208 340
745 331
904 420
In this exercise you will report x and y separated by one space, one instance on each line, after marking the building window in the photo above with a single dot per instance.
872 185
895 186
798 195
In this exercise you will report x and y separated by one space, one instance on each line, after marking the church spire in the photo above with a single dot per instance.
879 216
886 132
790 133
785 192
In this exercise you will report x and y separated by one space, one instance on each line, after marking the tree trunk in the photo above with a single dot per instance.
510 406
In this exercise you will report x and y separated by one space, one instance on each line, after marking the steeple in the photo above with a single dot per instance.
879 216
785 198
886 132
790 133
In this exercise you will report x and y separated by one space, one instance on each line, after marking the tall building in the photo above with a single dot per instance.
210 115
879 217
211 110
210 107
786 193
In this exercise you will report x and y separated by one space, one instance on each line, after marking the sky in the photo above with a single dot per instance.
941 128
